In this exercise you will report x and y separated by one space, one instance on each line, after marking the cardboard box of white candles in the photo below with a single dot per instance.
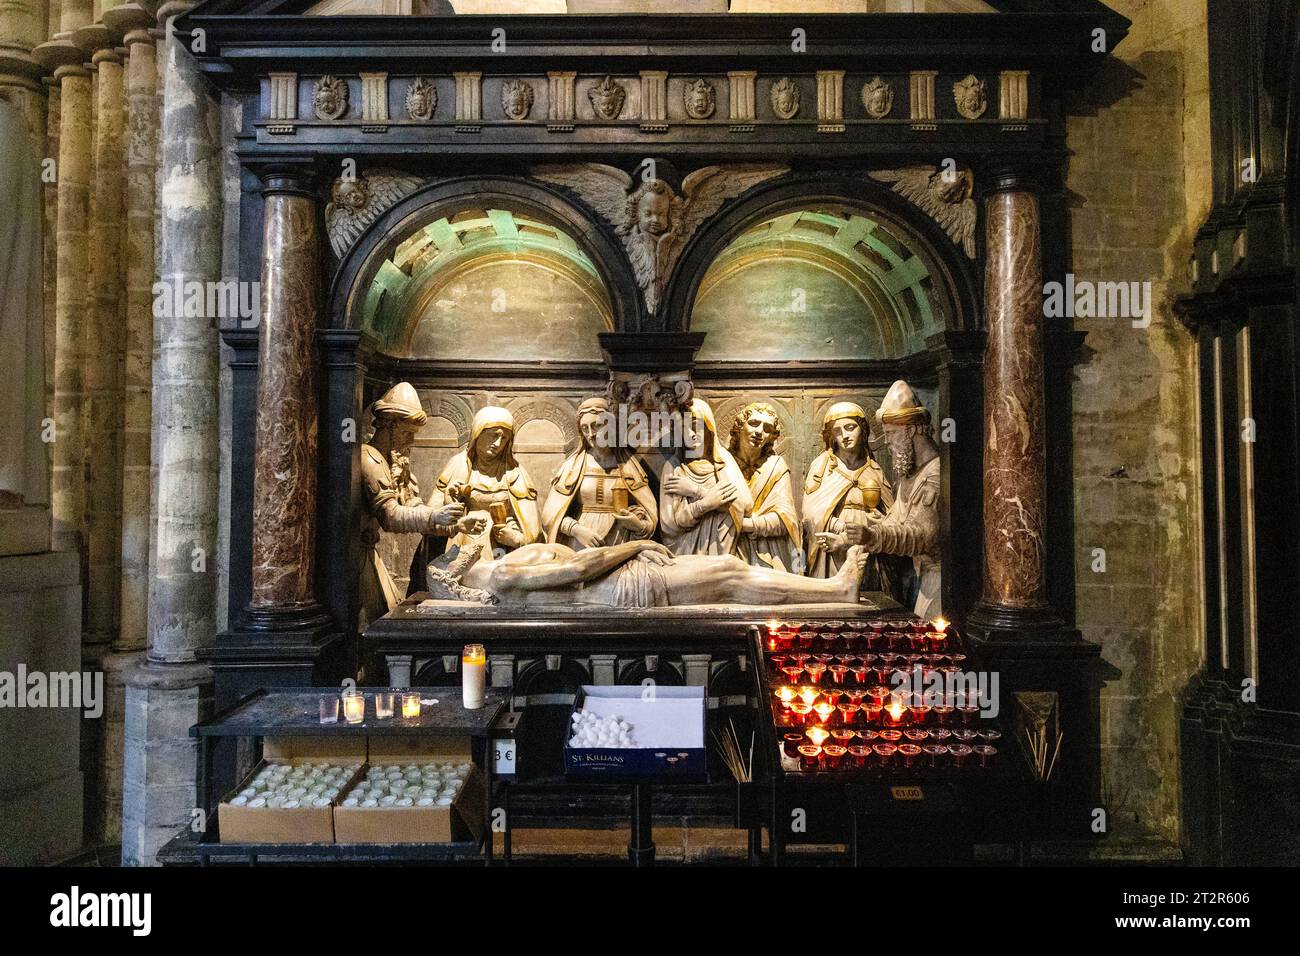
289 797
413 790
643 731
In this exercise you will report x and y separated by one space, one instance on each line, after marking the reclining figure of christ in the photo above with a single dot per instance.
635 574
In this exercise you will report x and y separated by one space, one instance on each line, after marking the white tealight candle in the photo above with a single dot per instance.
473 680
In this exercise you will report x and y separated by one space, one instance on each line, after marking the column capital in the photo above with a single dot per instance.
1000 175
289 178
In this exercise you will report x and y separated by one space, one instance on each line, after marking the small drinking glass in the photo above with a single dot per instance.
329 710
384 705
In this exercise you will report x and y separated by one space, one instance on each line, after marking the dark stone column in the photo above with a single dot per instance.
285 460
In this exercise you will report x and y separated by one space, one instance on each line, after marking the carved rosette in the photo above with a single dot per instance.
330 98
516 99
421 100
971 95
785 98
699 98
607 98
878 98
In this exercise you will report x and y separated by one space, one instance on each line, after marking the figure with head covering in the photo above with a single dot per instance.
911 526
601 495
844 483
704 496
487 478
770 535
392 496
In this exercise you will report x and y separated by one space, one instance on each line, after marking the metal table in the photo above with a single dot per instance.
295 712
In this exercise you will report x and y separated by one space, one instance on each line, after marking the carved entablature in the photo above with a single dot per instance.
871 107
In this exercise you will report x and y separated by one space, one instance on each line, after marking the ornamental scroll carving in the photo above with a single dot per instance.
945 196
652 219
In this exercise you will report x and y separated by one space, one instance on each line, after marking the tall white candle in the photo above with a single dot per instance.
473 676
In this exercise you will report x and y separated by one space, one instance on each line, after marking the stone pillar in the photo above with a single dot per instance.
171 691
285 460
132 386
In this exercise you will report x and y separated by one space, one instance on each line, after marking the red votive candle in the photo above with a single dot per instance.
838 673
895 714
825 711
860 673
784 697
817 735
843 736
800 711
886 753
859 755
832 695
815 670
877 694
917 736
848 712
832 755
790 744
919 714
808 694
909 753
851 639
793 672
809 756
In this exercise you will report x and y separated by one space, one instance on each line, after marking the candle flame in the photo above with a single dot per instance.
940 624
786 694
808 694
895 708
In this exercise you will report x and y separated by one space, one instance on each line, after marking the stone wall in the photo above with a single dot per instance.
1140 177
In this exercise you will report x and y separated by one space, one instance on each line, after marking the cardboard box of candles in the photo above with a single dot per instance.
414 790
290 795
637 731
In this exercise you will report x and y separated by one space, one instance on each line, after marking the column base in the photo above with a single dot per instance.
1000 622
307 616
107 822
163 701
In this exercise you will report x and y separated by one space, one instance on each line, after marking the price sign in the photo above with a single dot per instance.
504 756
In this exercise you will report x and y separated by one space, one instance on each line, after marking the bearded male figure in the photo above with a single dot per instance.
770 535
392 500
911 526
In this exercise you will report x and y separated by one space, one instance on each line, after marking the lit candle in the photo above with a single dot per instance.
808 695
825 711
410 705
894 712
939 624
354 706
785 695
801 710
473 678
817 735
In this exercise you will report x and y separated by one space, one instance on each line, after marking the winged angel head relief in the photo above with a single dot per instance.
652 219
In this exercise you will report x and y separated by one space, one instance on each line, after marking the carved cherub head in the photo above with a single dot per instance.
607 98
330 98
699 99
653 207
878 98
421 99
971 96
785 98
516 99
351 193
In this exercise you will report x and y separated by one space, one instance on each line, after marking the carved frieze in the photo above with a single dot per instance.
652 219
945 195
330 98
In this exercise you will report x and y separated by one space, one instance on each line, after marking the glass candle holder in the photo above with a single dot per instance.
792 672
843 736
473 676
936 641
784 697
825 711
354 706
942 715
885 753
800 711
868 736
861 674
917 642
990 736
940 735
960 754
964 735
918 714
910 754
839 673
800 657
855 694
895 714
832 756
410 705
817 735
832 695
889 736
329 710
828 641
871 712
851 640
778 661
790 744
984 754
915 735
848 712
383 705
859 755
969 713
809 694
936 755
809 756
878 694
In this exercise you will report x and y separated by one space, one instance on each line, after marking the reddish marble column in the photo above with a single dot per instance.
1015 473
284 481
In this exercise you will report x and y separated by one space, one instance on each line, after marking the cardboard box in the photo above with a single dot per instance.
300 824
459 823
668 729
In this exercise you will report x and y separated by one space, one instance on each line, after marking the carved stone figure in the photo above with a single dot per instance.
601 495
971 95
699 99
785 98
770 535
844 483
421 100
911 526
392 496
516 99
663 392
878 98
652 221
358 201
607 98
330 98
636 574
946 197
703 495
